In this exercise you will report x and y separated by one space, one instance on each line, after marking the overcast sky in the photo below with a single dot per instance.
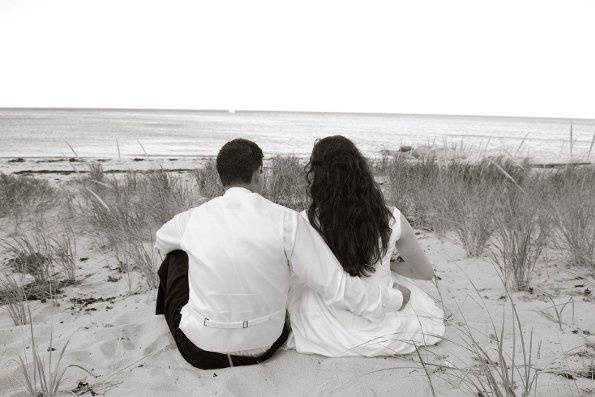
502 57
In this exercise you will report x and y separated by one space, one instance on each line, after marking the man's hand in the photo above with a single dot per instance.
406 294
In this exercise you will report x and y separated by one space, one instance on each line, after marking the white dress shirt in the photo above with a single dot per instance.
240 248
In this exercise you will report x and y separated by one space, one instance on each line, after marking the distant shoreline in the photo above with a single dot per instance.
126 157
65 166
236 111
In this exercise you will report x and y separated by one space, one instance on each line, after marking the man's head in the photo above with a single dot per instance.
239 163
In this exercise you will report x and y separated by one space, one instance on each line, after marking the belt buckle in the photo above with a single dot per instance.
245 324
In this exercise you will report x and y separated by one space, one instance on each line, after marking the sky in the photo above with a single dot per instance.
464 57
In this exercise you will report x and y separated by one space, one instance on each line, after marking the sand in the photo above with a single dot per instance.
130 351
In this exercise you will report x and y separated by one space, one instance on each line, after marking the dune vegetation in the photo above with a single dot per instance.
496 208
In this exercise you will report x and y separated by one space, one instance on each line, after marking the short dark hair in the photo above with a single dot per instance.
237 160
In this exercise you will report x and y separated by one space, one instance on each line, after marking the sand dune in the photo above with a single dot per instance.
130 351
114 334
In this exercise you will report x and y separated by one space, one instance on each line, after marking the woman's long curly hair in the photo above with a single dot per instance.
347 206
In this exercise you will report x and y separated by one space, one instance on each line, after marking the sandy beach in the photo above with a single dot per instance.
108 318
231 163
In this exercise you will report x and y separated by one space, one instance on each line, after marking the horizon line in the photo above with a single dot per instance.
235 111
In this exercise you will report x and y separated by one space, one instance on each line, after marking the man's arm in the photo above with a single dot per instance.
314 263
169 236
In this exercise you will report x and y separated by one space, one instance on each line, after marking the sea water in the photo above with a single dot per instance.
174 133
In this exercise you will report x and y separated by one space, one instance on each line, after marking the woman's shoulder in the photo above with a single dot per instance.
395 211
396 215
304 214
395 223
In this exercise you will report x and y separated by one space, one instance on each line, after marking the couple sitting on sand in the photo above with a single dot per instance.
244 276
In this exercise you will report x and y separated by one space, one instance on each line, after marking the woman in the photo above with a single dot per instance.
350 213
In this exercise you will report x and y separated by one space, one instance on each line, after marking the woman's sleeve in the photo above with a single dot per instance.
313 263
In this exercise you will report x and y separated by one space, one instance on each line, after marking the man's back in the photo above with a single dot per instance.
237 270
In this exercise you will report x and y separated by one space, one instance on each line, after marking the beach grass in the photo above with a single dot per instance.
21 195
285 182
414 188
496 207
64 252
499 207
207 180
123 212
30 253
42 377
522 232
12 294
499 360
571 195
505 365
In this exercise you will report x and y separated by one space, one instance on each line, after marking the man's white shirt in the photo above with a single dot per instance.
241 248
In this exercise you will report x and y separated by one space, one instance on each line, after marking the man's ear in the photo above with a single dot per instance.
257 175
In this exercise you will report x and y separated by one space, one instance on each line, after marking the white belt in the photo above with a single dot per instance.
207 322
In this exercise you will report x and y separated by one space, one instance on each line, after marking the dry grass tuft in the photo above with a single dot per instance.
96 172
454 195
501 365
30 254
22 194
41 257
207 179
500 371
12 294
40 377
557 311
572 206
471 193
414 187
493 203
522 230
496 202
285 182
124 212
469 210
63 248
133 203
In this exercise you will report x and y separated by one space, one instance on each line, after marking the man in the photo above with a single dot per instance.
224 283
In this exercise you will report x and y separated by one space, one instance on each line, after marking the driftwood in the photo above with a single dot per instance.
559 165
115 171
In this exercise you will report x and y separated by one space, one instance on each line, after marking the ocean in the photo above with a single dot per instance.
175 133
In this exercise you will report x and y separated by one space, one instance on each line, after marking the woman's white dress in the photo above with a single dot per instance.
328 331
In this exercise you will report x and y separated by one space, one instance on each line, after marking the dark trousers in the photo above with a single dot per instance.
173 295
